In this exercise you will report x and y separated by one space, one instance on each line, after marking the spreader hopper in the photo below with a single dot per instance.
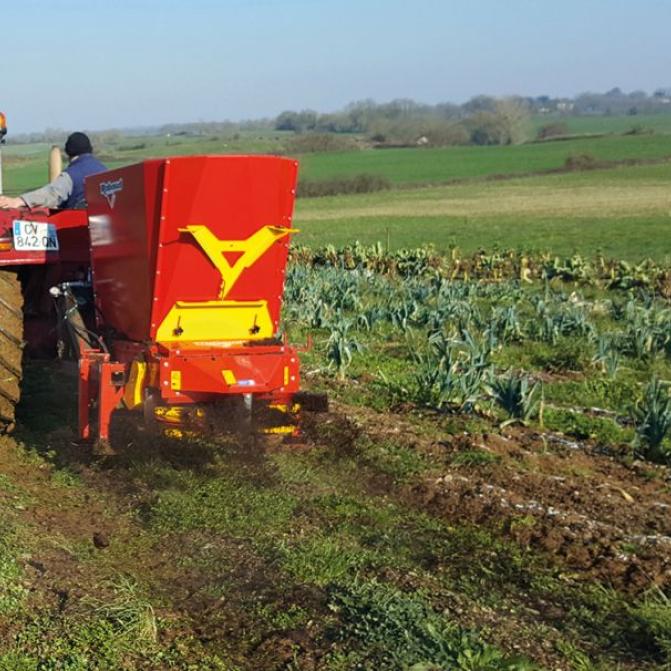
188 259
192 249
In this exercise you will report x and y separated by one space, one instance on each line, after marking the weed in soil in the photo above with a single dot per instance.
385 628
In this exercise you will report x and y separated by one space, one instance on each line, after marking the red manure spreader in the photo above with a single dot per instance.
166 290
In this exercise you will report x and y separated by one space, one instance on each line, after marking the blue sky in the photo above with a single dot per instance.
95 64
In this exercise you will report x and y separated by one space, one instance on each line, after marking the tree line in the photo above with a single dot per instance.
481 120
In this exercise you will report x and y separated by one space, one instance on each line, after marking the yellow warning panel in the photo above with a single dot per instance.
229 377
216 320
132 393
176 380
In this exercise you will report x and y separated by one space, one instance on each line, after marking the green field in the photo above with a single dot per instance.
27 163
622 211
422 166
660 123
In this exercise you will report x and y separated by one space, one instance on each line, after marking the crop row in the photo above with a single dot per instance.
457 337
497 266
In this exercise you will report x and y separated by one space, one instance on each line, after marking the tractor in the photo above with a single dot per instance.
166 291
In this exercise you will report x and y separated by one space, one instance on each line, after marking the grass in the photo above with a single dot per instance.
324 560
231 505
660 123
26 165
474 458
101 633
602 430
387 628
422 166
623 213
630 238
12 591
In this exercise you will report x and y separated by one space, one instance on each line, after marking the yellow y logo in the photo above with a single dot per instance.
251 250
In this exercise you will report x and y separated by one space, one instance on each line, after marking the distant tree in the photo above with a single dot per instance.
411 132
394 132
553 129
617 101
445 133
508 123
587 103
484 128
360 114
514 117
402 107
296 121
286 121
54 135
304 143
449 111
334 123
480 103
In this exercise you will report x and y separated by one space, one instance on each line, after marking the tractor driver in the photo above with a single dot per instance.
67 190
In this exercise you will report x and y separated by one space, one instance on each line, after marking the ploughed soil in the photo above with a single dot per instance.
603 518
606 518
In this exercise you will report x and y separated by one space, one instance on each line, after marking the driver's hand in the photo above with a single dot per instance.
7 202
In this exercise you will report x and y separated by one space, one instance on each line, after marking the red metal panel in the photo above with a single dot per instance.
257 370
122 208
234 196
140 271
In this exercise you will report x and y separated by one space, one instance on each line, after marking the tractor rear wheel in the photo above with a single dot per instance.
11 347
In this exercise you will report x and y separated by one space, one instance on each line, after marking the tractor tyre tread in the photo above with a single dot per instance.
11 347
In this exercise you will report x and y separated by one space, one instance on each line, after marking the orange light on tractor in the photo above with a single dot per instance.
3 125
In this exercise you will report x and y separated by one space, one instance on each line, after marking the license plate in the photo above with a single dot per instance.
34 236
